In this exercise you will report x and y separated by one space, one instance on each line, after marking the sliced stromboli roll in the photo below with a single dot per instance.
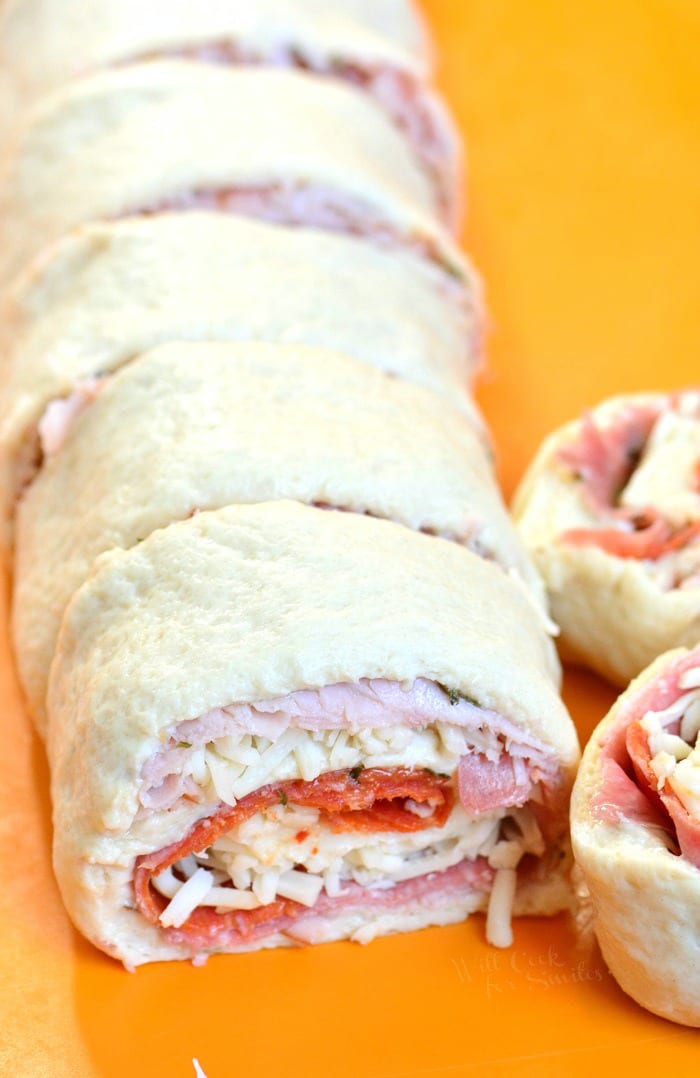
69 38
112 32
635 825
379 47
610 511
315 738
192 427
110 292
282 145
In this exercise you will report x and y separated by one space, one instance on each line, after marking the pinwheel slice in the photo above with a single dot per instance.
109 292
635 824
610 511
191 427
302 766
276 144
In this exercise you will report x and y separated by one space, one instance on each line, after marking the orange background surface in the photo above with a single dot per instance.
584 216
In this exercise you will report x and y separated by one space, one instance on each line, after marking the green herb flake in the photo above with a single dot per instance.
284 800
184 745
355 772
452 269
454 696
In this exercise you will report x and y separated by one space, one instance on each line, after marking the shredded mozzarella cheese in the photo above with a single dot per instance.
499 932
675 758
186 899
690 723
286 851
690 679
234 771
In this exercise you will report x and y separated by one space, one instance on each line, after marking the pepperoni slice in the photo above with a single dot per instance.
370 800
652 541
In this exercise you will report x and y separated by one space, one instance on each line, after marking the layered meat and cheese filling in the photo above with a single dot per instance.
639 474
327 803
663 748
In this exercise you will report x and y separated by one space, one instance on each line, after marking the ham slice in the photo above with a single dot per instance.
620 798
485 785
603 457
478 737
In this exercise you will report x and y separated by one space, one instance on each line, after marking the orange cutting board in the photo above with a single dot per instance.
584 217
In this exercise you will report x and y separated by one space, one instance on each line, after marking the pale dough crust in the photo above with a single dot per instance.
646 899
112 291
201 426
613 615
252 602
87 152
